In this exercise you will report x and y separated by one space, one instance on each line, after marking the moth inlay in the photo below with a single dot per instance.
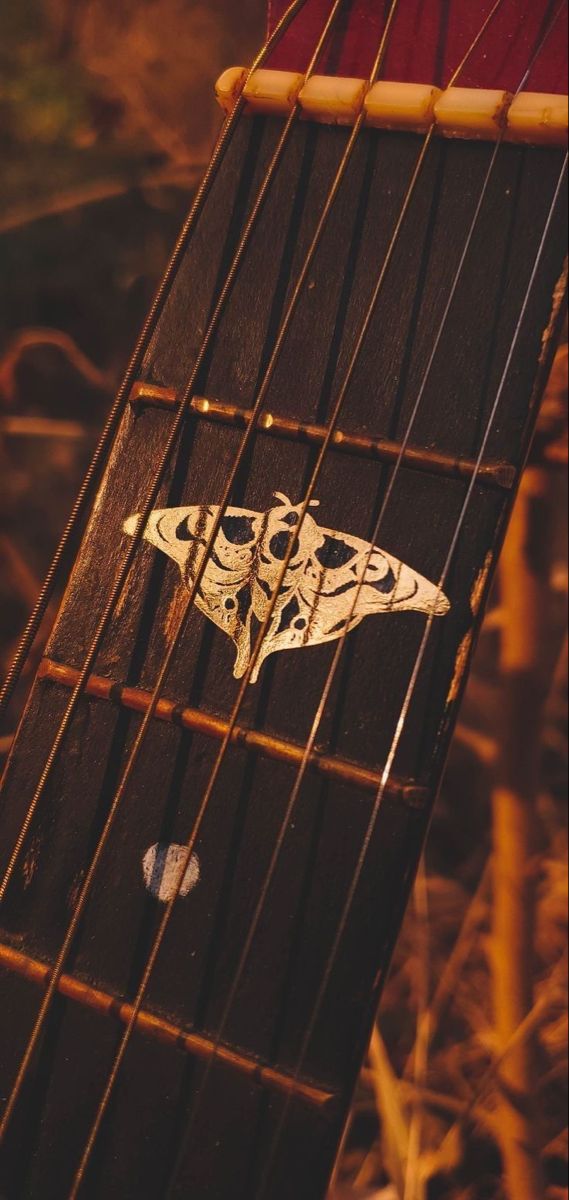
317 594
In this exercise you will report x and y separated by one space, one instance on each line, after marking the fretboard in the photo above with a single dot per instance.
153 1140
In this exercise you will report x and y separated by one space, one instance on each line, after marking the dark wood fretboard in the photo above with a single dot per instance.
152 1139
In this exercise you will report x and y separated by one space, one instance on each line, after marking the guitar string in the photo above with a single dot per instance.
54 978
158 941
322 705
141 523
309 748
134 546
411 690
346 158
117 589
94 471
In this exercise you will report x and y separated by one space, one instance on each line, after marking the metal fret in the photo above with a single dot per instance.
137 700
493 474
74 989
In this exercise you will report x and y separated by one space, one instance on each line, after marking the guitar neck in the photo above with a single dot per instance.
228 1101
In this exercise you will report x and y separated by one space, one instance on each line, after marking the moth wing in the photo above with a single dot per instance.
226 591
224 594
372 582
176 531
305 615
331 585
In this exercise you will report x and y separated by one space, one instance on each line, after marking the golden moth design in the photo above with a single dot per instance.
317 594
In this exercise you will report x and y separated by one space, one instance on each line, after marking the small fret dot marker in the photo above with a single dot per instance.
162 868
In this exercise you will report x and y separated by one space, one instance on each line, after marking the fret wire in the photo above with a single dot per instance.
424 642
268 745
156 1027
293 799
141 523
281 337
409 696
283 24
500 475
94 471
172 441
304 508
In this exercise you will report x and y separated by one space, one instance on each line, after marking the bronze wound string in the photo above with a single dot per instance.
207 796
181 624
79 688
128 562
411 688
86 493
159 477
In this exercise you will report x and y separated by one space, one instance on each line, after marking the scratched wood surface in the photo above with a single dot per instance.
144 1150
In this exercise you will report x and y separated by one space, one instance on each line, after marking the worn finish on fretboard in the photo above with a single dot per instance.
497 475
162 1031
153 1101
196 721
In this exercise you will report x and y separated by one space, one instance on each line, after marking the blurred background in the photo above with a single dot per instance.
106 121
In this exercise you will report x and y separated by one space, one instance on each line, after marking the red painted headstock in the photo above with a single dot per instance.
430 37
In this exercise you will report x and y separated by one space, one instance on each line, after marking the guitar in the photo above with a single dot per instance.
215 806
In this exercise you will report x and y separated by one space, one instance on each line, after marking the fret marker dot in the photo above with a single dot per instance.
162 868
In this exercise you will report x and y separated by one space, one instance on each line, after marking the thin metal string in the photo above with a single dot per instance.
309 748
159 478
100 456
304 508
142 523
187 609
159 938
323 702
412 685
78 691
117 589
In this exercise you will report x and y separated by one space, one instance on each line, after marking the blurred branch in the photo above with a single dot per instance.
553 994
22 580
524 574
485 748
28 339
415 1185
42 427
21 577
164 135
449 1154
476 914
185 177
394 1124
450 1105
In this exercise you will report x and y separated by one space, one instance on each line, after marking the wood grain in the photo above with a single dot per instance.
153 1105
